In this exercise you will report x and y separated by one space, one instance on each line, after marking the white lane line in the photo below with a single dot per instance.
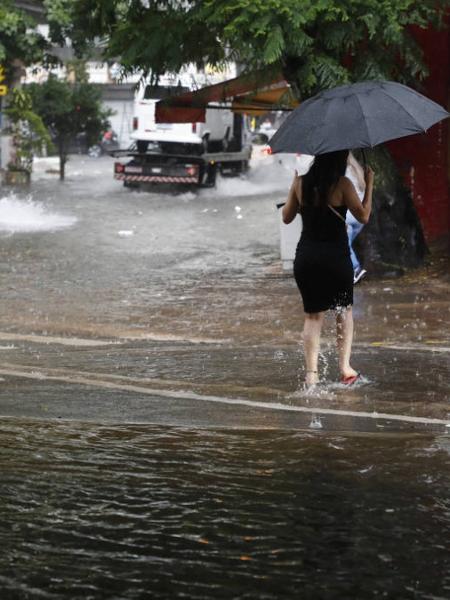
74 341
220 400
168 337
157 337
50 339
413 347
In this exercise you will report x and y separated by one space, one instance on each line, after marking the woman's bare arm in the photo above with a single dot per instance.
290 209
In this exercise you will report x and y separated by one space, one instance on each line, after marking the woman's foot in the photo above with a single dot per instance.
312 378
348 372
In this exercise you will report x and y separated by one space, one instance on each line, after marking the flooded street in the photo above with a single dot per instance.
134 512
110 261
156 440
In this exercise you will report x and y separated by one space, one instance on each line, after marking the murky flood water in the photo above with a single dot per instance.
92 256
155 439
160 512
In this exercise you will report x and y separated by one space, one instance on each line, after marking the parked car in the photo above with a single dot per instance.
108 143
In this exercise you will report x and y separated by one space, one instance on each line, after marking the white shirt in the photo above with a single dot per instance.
353 176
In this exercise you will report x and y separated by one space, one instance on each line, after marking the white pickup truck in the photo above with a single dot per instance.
185 153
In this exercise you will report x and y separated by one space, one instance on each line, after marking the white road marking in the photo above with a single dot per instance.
426 347
169 337
75 341
187 395
50 339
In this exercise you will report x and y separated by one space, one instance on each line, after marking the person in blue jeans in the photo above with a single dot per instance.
355 173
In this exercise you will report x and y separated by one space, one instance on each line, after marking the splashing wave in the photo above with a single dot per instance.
25 215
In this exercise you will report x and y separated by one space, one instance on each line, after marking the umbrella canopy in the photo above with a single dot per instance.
360 115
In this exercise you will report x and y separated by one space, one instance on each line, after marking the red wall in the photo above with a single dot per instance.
423 159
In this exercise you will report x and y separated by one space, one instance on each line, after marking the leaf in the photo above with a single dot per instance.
274 46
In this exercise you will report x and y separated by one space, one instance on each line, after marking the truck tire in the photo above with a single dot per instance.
234 169
211 176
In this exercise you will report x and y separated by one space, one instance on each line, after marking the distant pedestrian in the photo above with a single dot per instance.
355 173
322 267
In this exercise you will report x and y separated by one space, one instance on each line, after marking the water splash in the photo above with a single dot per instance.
186 196
19 215
316 422
360 382
320 391
267 175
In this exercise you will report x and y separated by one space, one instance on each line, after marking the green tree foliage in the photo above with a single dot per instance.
27 129
316 43
153 37
68 110
19 41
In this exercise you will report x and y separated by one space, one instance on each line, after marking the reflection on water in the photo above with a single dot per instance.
134 512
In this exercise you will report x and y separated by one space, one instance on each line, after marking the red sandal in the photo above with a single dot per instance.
351 379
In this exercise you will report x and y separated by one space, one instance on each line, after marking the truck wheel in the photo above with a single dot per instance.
211 175
131 184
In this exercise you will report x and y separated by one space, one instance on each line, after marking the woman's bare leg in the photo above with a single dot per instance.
344 339
311 344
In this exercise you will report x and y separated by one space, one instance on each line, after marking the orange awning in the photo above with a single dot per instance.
251 94
279 96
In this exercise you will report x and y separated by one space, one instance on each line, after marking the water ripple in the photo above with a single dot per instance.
133 512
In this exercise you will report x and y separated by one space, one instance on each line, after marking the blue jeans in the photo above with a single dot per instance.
353 229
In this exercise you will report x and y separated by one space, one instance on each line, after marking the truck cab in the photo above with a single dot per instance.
212 135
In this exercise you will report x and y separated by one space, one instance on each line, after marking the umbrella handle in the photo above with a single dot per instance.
364 158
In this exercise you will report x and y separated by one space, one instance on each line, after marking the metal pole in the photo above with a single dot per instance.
364 158
1 131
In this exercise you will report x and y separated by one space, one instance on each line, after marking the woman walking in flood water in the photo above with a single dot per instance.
322 267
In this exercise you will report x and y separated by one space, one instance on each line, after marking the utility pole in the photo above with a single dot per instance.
3 92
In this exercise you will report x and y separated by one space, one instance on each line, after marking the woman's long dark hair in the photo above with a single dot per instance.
323 176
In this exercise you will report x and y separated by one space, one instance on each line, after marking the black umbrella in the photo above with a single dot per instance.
360 115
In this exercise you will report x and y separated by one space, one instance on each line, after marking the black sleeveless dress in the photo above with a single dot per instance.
322 267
